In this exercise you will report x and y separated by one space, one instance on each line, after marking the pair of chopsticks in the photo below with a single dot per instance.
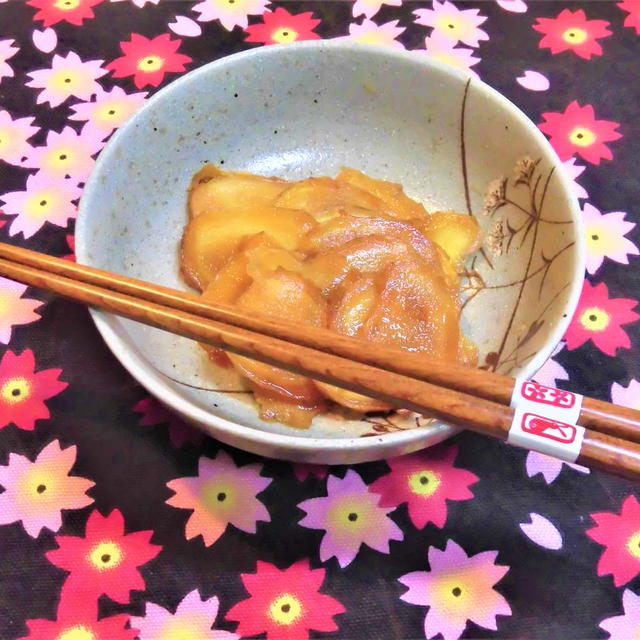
471 398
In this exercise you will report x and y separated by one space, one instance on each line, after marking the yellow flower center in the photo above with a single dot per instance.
79 632
595 319
285 609
574 35
40 486
67 5
66 80
284 34
150 63
106 555
5 137
60 157
218 496
424 483
451 26
109 112
582 137
453 592
178 630
41 203
633 545
15 390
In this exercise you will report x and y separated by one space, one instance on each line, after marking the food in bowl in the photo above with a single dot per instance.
352 253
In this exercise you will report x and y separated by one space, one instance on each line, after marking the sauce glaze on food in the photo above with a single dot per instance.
351 253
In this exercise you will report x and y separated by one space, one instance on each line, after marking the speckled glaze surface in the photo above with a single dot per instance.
308 109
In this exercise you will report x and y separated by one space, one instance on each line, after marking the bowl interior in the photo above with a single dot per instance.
308 109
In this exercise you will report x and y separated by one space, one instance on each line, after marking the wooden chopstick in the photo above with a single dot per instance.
597 415
599 451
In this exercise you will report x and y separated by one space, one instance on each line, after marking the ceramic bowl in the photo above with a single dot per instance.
307 109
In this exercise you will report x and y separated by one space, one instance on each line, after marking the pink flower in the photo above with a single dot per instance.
154 413
14 309
7 50
67 77
108 110
230 14
36 492
425 480
550 372
550 468
13 138
619 534
628 624
458 588
573 170
193 618
45 199
370 33
370 7
458 25
605 237
600 318
628 396
351 517
221 494
67 153
444 50
533 80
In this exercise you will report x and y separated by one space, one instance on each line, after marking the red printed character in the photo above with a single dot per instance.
548 395
549 429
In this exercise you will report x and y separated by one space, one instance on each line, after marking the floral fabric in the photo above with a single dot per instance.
119 521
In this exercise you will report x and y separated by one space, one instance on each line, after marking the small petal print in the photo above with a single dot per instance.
516 6
186 27
542 532
533 80
45 40
549 467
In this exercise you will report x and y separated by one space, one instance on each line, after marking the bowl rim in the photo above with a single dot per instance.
264 442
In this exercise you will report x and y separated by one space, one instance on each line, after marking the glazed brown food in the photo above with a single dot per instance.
350 253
